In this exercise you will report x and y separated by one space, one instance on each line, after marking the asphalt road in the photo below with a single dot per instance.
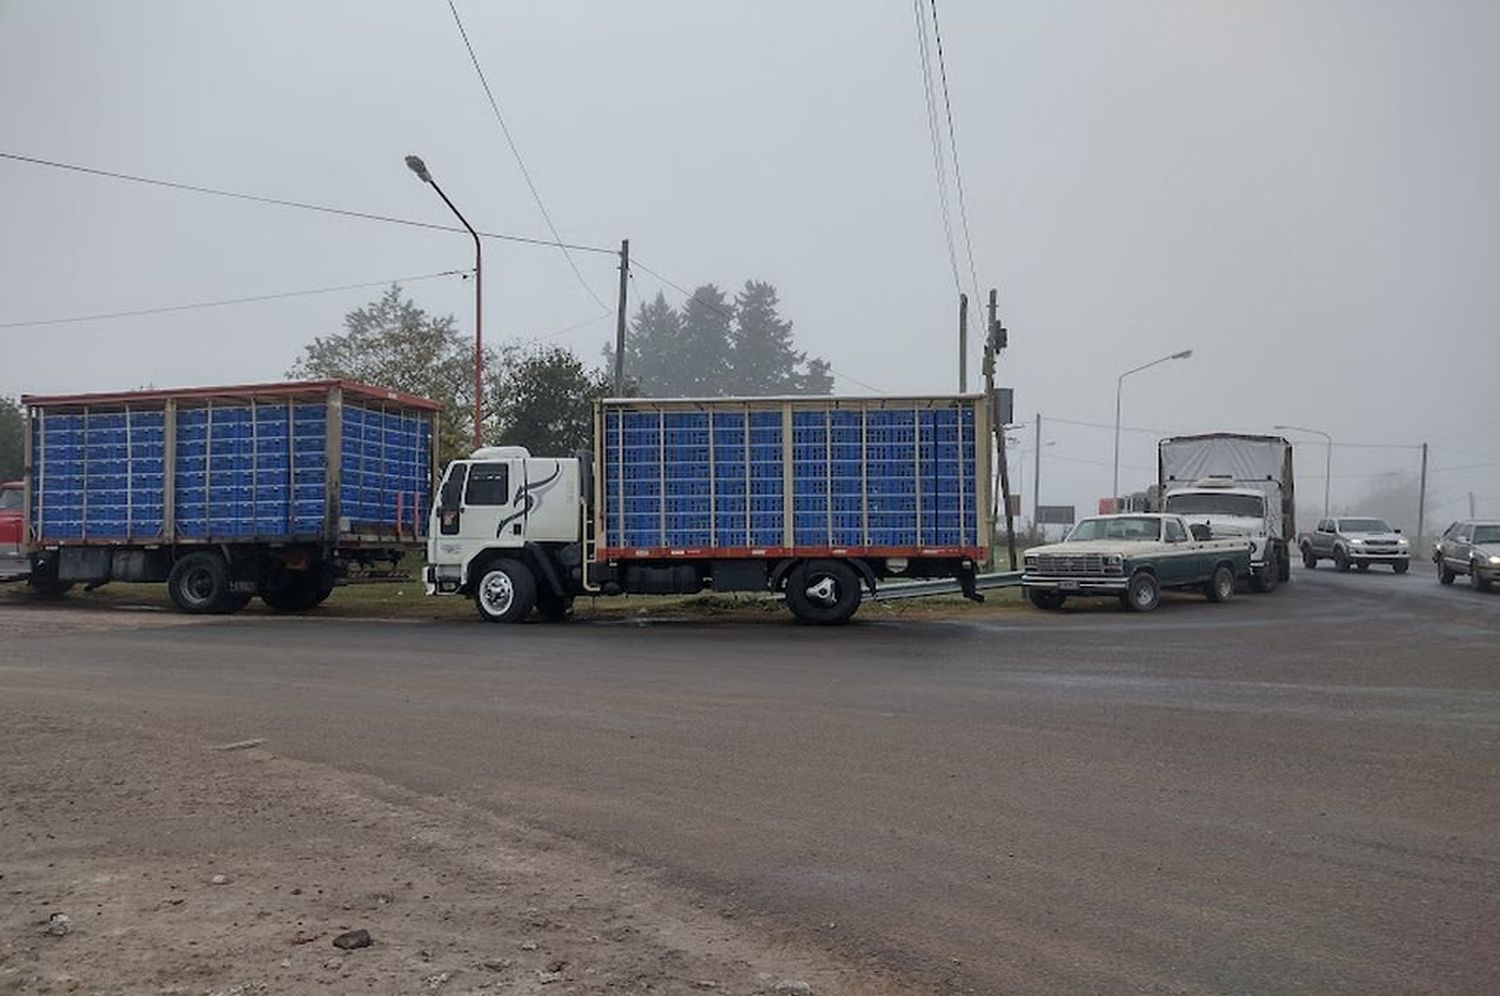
1293 792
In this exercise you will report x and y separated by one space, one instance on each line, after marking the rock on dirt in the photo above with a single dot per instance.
59 924
351 939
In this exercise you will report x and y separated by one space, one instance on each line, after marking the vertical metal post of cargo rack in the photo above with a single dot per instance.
291 466
916 459
828 467
83 525
661 473
31 481
864 472
713 486
963 344
788 537
749 483
169 471
129 477
333 458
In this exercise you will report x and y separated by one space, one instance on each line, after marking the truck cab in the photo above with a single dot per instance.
501 507
1231 510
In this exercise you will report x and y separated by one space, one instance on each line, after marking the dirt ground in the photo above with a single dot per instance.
194 868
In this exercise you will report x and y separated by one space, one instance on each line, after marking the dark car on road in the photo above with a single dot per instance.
1473 549
1356 541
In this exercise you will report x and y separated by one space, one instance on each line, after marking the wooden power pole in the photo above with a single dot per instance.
963 344
994 342
620 320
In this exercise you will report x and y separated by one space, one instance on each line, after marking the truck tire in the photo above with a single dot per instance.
505 591
1308 559
1143 593
1043 599
825 592
1445 574
1363 565
45 585
1265 581
1340 559
296 592
1400 566
1283 565
199 584
1478 581
1220 587
237 600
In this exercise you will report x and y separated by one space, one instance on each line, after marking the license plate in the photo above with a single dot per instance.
1068 586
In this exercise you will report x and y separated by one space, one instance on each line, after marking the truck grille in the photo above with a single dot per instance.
1079 564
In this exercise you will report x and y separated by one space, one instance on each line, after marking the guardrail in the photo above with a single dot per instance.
944 586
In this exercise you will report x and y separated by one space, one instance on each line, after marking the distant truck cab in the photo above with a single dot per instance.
13 560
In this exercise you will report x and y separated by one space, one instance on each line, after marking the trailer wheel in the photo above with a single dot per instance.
505 591
296 593
1144 592
44 583
199 583
823 591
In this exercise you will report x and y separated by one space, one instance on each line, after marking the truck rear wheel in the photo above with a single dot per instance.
823 591
296 592
199 584
44 583
505 591
554 608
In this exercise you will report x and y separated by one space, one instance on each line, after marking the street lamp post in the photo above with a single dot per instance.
415 164
1119 385
1327 462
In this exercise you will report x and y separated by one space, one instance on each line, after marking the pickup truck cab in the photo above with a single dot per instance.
1356 541
1134 558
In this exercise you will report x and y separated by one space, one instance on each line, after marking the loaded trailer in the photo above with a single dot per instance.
226 493
818 499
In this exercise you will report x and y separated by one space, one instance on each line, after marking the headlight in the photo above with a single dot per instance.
1403 544
1356 541
1495 560
1115 559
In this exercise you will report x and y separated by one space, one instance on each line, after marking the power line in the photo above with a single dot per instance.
925 59
958 175
535 194
228 301
283 202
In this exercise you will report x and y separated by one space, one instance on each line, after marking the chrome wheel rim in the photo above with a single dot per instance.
1143 594
496 593
823 590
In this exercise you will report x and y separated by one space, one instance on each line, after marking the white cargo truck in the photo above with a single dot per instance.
1237 485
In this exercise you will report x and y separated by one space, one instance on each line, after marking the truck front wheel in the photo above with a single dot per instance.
1220 587
505 591
823 591
1144 592
199 584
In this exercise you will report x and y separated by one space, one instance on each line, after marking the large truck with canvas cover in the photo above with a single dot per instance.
223 493
1237 485
818 499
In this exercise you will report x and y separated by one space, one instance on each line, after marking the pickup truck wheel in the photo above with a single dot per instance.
1144 592
199 584
1400 566
1340 559
1445 575
505 591
1308 560
823 591
1479 582
1043 599
1221 586
1363 565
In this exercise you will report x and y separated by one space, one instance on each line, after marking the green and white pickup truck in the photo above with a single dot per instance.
1134 558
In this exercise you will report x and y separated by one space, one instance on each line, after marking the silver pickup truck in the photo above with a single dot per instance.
1356 541
1133 558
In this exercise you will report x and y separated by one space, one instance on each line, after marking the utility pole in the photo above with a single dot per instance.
1471 504
996 340
620 320
1036 474
1422 496
963 344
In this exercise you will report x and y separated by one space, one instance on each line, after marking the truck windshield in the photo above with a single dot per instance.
1363 526
10 500
1487 534
1135 528
1201 503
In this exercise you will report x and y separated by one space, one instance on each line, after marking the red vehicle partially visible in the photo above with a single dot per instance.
13 560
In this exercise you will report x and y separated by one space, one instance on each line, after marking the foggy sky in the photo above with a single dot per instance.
1305 194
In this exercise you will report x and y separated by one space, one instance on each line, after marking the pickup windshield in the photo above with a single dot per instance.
10 500
1246 506
1140 529
1363 526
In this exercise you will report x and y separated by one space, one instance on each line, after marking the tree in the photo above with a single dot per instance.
544 400
12 439
703 360
395 344
651 348
763 356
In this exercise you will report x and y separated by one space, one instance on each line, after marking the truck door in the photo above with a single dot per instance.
497 505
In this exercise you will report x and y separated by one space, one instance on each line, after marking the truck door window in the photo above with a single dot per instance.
453 485
1174 531
10 500
489 484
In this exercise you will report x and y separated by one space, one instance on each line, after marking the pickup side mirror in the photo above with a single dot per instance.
1201 531
1395 530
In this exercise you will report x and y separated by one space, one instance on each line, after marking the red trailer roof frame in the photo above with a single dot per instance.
351 388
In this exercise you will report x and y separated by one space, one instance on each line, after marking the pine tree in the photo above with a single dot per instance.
702 363
651 349
764 356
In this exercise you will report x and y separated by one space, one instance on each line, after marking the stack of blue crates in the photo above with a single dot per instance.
882 477
244 470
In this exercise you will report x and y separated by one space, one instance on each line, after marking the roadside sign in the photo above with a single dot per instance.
1056 515
1013 505
1005 404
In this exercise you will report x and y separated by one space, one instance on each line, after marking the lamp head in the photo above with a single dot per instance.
417 166
1182 355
